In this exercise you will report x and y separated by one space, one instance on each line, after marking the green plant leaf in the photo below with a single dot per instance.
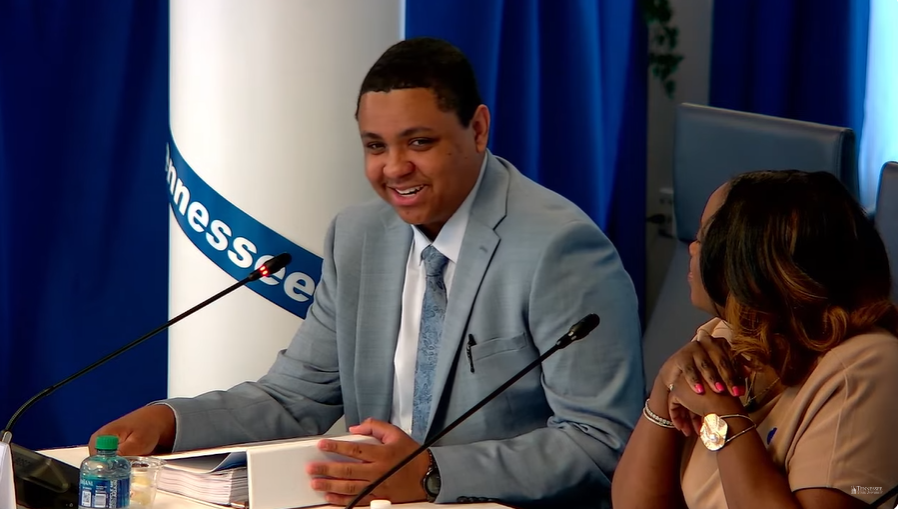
663 40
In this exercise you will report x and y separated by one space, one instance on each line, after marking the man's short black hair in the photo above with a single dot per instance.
426 62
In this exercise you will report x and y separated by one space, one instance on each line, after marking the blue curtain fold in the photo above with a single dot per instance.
83 210
798 59
566 85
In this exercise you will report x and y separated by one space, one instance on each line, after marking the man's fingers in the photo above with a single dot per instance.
364 452
135 445
339 486
383 431
105 431
342 470
131 442
363 428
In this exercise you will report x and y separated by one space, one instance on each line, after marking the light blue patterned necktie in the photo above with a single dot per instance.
433 310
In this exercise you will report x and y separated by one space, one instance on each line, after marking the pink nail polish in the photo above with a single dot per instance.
719 386
699 389
738 391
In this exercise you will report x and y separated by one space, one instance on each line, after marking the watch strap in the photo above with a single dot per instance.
431 482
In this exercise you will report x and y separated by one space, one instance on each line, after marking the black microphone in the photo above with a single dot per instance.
579 331
45 480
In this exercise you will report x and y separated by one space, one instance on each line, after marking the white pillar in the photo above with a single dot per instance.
263 96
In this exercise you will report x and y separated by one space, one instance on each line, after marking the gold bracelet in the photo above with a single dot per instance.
714 430
746 430
737 415
655 418
753 425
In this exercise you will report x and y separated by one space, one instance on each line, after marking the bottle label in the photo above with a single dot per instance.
105 493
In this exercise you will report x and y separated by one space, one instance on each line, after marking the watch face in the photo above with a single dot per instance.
432 484
714 432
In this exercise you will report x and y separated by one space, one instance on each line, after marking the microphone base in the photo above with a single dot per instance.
43 482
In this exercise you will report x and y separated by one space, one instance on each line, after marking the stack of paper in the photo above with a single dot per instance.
222 475
217 479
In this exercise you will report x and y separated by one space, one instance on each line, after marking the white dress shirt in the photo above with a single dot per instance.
448 242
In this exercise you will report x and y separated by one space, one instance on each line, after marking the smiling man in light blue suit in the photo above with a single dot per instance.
402 349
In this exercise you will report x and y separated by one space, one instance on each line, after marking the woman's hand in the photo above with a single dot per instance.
688 408
704 363
682 418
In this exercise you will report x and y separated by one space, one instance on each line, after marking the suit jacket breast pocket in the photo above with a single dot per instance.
495 346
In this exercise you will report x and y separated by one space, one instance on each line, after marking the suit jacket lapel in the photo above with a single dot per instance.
477 250
384 258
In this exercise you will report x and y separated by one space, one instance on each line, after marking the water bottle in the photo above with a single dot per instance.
106 477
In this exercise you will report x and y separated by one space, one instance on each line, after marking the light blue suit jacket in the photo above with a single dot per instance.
531 265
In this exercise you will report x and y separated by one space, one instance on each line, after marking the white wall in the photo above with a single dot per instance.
693 17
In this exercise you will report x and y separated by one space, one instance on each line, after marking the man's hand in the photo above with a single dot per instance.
342 481
141 432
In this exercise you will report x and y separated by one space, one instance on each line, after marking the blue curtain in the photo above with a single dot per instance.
798 59
566 85
83 210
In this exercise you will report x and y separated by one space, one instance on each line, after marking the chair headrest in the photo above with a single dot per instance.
712 145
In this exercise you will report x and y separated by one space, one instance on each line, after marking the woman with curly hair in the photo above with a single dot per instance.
787 398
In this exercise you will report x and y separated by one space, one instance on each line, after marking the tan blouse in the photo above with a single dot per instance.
838 430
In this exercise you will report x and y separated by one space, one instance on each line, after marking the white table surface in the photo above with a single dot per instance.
75 455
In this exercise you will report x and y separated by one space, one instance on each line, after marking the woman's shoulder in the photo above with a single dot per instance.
842 417
870 355
877 344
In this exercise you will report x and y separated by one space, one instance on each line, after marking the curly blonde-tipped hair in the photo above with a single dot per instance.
796 267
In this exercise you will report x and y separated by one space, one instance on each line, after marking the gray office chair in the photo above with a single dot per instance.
712 145
887 217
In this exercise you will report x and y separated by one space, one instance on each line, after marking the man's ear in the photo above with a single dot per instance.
480 124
